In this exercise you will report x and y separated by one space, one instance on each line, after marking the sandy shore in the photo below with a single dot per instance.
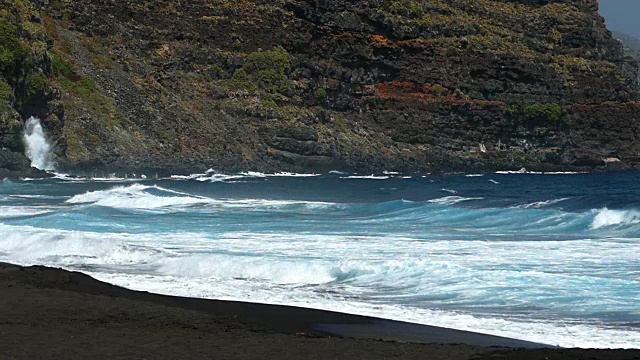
52 313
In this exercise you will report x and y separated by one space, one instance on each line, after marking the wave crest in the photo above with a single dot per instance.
452 200
142 197
606 218
136 196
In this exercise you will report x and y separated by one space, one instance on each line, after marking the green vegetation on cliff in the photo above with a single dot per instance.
24 84
6 93
37 85
268 70
9 46
543 113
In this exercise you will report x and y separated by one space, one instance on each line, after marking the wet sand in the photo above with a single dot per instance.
55 314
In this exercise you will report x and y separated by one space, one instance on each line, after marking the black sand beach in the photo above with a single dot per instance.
55 314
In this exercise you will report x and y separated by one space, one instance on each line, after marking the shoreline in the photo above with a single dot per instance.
150 176
38 300
165 170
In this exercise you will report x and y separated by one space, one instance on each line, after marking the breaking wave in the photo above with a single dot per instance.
536 217
612 218
138 196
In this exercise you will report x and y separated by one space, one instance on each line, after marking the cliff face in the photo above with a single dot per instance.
631 44
314 85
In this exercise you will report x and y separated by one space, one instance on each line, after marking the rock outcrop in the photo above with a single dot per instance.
317 85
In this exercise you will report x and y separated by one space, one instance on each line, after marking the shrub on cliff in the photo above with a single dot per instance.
8 121
61 67
321 94
5 93
37 84
265 70
410 8
543 113
9 45
241 80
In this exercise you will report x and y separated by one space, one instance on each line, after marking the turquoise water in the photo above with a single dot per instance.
546 258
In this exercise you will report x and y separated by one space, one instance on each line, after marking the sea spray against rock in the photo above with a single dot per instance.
38 148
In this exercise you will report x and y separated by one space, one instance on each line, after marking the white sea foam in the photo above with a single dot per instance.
28 245
115 179
102 177
539 204
452 200
138 196
524 171
7 212
135 197
27 196
606 217
247 268
63 176
366 177
561 173
289 174
509 172
209 177
214 176
39 149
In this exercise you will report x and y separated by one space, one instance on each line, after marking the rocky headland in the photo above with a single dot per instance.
318 85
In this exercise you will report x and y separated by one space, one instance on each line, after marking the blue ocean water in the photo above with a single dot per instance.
546 258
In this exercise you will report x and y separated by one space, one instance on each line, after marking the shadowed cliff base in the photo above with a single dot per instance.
52 313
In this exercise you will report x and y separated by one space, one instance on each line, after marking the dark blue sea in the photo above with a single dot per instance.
551 258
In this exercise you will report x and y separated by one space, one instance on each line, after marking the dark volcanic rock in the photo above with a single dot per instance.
306 85
13 161
15 165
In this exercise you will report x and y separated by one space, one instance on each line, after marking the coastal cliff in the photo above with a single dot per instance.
318 85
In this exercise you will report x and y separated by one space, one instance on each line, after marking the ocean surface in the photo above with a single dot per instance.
548 258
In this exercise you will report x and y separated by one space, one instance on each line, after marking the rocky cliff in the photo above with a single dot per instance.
316 85
630 42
